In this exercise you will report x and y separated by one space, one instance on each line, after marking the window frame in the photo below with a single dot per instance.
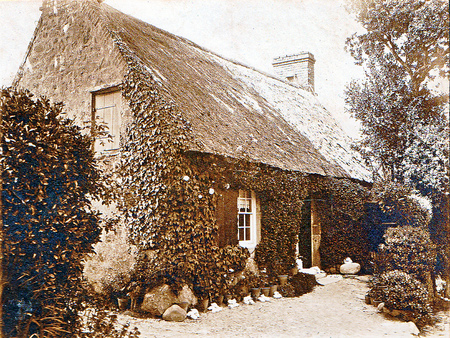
252 242
115 144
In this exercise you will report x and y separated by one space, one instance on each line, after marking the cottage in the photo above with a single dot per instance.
82 52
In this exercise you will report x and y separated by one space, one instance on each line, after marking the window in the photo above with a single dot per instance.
246 205
107 110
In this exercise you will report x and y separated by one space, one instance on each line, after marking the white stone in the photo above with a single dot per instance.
193 314
277 295
350 268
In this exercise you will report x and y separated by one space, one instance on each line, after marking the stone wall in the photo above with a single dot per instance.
71 55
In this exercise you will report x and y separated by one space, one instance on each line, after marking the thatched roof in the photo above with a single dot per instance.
235 110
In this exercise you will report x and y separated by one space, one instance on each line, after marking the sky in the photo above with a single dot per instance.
252 32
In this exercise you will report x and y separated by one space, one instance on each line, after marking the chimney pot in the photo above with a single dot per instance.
298 68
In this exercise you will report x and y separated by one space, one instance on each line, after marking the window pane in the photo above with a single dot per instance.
247 234
241 220
241 234
247 220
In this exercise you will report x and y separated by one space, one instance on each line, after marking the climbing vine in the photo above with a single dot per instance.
343 218
168 198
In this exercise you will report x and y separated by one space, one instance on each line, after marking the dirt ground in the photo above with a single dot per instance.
333 310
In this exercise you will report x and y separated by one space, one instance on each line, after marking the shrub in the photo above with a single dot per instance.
400 291
408 249
400 204
287 290
302 283
49 179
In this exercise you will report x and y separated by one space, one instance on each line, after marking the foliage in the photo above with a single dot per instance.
281 194
400 205
302 283
286 290
400 291
405 45
167 203
110 269
408 249
342 217
97 322
49 178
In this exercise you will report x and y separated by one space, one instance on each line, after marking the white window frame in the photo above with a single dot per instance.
252 242
113 123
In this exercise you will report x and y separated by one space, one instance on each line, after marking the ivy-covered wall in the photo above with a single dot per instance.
169 196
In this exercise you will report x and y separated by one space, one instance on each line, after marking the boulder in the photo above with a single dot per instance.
160 298
187 296
174 314
350 268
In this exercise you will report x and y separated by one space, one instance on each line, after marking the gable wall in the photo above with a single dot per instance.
72 54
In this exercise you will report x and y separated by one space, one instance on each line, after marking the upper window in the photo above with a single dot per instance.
106 119
246 204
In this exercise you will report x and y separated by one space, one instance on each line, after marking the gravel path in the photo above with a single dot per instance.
334 310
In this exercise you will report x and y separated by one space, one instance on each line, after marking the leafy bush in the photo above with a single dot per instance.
287 290
408 249
400 204
400 291
97 322
49 178
302 283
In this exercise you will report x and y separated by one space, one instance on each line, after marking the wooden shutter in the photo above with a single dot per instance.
226 214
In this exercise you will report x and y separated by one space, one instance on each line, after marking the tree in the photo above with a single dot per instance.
49 177
405 123
405 47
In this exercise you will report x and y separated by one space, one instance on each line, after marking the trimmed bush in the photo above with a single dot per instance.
400 291
408 249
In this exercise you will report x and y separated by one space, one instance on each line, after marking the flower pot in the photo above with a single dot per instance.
265 291
220 300
228 298
203 304
282 279
256 292
272 290
243 290
294 271
122 303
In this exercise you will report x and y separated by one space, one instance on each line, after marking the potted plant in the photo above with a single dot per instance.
120 289
254 284
264 283
273 286
294 269
282 279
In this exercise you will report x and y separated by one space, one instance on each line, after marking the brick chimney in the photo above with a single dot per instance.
298 68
